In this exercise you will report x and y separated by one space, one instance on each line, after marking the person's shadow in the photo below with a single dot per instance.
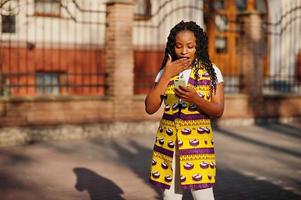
98 187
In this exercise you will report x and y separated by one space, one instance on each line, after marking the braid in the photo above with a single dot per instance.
202 57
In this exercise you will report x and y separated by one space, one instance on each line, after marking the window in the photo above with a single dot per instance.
142 9
51 8
221 22
261 6
48 83
8 23
241 5
221 44
219 4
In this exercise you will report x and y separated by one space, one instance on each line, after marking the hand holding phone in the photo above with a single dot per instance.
179 82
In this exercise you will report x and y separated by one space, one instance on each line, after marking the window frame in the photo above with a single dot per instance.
42 13
42 87
12 28
147 11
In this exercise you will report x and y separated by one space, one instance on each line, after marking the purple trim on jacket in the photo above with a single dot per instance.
200 83
198 186
163 151
160 185
184 116
183 152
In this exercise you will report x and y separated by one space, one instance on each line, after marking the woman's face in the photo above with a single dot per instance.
185 45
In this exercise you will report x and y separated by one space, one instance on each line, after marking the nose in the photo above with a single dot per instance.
183 50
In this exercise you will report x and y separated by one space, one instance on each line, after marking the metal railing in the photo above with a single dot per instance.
52 47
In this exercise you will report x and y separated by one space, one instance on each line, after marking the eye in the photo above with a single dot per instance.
178 46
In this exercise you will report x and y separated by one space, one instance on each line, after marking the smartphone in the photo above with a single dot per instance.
179 82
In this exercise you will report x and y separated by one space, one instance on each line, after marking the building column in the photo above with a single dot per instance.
119 56
252 60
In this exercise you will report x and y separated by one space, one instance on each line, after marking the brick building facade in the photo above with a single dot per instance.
101 82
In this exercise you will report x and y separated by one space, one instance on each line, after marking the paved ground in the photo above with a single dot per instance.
254 162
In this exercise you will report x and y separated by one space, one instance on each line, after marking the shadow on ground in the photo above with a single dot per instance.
231 184
98 187
291 130
254 141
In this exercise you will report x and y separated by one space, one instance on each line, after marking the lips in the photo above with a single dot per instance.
175 106
183 105
171 144
204 165
155 174
200 130
154 162
201 95
168 178
183 178
212 165
196 177
164 165
192 107
194 142
180 143
206 74
186 131
169 131
207 130
160 129
161 141
167 108
188 166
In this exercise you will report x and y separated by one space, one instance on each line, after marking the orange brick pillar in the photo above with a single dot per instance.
252 61
119 57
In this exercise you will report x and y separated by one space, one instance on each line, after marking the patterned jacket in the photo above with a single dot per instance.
184 127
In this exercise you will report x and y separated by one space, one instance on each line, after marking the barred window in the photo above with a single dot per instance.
48 83
219 4
241 5
8 23
142 9
48 8
221 44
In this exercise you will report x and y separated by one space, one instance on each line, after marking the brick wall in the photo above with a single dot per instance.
119 102
81 68
21 112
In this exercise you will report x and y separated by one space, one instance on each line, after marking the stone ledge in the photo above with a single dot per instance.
27 135
252 121
53 98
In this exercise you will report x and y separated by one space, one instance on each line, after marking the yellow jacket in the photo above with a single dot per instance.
184 127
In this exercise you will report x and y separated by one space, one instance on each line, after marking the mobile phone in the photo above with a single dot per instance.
179 82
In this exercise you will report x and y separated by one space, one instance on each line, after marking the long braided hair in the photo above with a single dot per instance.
201 49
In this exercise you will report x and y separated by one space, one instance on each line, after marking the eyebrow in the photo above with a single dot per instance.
186 43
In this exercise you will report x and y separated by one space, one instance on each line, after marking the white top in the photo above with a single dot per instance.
186 73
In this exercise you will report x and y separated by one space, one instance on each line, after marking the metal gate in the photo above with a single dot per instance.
52 47
280 28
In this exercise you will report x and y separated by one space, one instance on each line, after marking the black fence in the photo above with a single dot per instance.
280 56
52 47
285 50
55 47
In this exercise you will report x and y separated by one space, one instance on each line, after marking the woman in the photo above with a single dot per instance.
183 155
